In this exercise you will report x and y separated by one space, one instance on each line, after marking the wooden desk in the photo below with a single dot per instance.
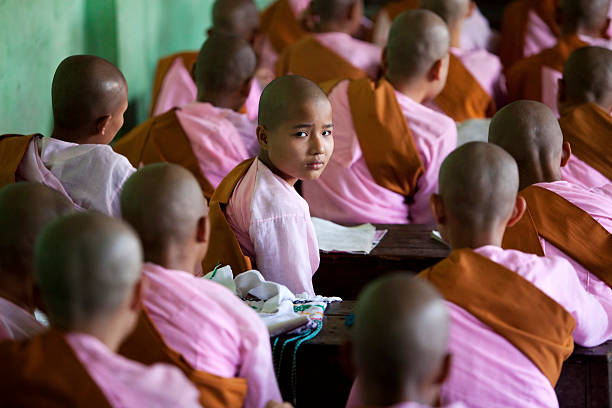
324 373
405 248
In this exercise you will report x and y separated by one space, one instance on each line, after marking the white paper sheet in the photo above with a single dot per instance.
360 239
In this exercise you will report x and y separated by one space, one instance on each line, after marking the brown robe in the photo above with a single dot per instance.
224 248
280 25
163 65
537 325
564 225
524 79
514 26
462 97
305 56
12 150
588 129
146 345
384 136
162 139
44 371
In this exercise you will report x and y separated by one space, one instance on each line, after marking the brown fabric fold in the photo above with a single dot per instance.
462 97
536 325
280 25
224 248
163 66
12 149
588 129
162 139
44 371
305 56
146 345
567 227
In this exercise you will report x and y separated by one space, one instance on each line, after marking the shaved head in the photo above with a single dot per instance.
283 96
87 265
588 76
164 203
417 39
588 15
451 11
530 132
85 89
25 209
329 10
225 66
478 185
237 17
400 336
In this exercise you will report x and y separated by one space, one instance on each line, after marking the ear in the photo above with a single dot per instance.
262 136
520 205
102 124
567 154
445 368
437 208
202 230
435 72
471 9
135 301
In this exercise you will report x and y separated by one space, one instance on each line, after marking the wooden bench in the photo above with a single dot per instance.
324 373
405 247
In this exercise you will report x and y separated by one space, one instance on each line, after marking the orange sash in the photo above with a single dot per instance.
162 139
396 8
462 97
280 25
536 325
304 58
12 150
588 129
567 227
44 371
163 65
224 248
146 345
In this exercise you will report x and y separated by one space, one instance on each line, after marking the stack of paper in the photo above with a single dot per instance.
361 239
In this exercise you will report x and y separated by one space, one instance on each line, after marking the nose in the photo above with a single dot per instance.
317 145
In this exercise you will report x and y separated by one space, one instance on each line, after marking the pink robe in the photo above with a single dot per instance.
178 89
90 175
487 370
599 205
220 138
578 172
212 329
272 224
346 191
16 323
126 383
360 54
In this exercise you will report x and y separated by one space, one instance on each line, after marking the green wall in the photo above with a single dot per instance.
133 34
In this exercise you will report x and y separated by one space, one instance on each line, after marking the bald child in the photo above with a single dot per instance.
584 23
208 136
331 52
210 327
583 238
269 219
585 104
401 365
505 353
474 85
88 267
389 146
174 83
89 98
25 209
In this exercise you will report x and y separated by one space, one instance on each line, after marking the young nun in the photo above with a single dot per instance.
270 220
389 146
174 83
585 104
563 219
584 22
402 365
210 136
89 97
506 353
25 209
474 85
209 326
330 52
88 267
